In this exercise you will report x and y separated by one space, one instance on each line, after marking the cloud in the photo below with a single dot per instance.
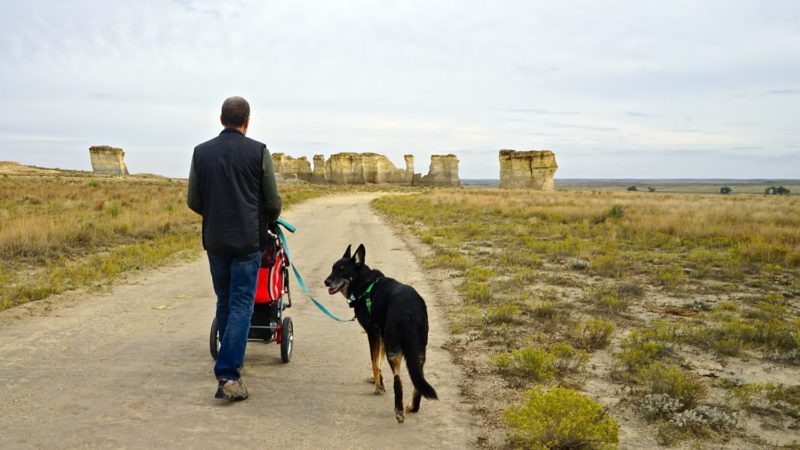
543 112
641 114
405 77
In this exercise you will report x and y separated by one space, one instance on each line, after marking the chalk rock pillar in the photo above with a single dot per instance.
532 169
318 176
108 160
443 171
409 169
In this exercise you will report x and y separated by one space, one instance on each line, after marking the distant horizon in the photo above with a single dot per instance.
556 178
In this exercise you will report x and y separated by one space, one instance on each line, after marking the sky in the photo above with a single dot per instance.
617 89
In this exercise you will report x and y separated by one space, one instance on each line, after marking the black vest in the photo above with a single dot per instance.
229 175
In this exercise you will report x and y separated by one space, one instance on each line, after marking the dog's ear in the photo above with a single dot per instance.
360 254
347 252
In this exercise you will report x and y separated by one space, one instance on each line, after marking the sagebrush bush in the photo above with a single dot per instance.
569 360
534 364
506 313
682 385
560 418
592 334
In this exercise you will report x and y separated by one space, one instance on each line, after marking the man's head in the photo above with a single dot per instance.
235 113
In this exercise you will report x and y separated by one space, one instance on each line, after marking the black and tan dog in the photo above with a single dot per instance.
395 319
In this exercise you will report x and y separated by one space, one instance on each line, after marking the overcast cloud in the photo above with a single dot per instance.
633 89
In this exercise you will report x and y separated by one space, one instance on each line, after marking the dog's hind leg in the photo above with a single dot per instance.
416 395
394 361
376 352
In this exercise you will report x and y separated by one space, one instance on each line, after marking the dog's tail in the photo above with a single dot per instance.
414 366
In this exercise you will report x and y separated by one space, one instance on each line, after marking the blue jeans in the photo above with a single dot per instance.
234 279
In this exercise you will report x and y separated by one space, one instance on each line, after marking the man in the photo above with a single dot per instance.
232 185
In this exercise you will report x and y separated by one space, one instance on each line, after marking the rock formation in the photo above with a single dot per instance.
443 171
108 160
318 176
527 170
362 168
409 169
288 167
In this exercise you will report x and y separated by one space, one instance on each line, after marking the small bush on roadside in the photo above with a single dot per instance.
560 418
569 360
613 299
537 365
644 346
507 313
545 309
592 334
476 291
682 385
671 277
660 406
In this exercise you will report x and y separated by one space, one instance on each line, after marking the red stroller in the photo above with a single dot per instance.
268 323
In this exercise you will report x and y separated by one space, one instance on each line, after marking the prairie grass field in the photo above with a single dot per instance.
65 230
674 314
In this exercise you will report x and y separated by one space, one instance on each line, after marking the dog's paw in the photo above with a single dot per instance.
400 415
410 408
370 380
379 390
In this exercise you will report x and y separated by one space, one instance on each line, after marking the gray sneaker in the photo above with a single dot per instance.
233 390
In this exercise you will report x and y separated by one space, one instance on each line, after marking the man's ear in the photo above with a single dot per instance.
360 254
346 252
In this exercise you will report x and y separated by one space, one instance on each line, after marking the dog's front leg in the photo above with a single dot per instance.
376 352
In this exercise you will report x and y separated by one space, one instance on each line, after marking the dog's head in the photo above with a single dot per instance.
345 270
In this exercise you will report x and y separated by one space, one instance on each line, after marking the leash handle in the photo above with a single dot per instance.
289 227
286 225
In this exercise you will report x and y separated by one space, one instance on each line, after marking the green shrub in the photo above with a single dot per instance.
114 209
671 276
615 212
560 418
644 346
593 334
507 313
537 365
545 309
612 303
568 358
674 382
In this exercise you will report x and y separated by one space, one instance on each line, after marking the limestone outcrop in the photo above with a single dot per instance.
409 169
288 167
362 168
108 160
532 169
318 175
443 171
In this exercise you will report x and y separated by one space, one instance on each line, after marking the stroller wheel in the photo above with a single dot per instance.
287 339
213 339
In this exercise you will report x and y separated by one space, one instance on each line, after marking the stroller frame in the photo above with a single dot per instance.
268 322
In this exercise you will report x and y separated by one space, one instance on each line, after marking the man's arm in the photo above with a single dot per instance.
193 198
272 200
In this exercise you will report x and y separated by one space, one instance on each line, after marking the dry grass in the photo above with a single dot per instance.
539 266
63 232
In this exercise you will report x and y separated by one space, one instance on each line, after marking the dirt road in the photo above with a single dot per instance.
131 368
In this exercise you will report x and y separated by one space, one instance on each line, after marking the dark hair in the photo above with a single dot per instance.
235 111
